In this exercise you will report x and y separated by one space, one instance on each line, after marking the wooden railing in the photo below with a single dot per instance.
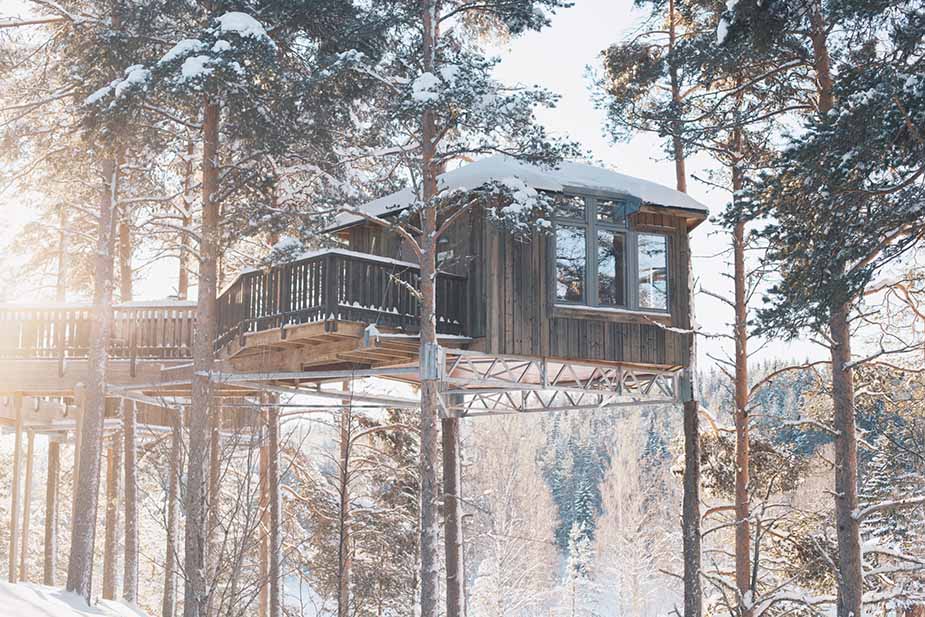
140 331
336 285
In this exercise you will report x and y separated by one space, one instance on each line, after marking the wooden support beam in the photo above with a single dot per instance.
263 600
169 601
113 474
27 509
14 505
130 558
452 513
80 398
275 548
51 512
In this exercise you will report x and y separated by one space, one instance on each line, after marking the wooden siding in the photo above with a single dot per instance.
510 306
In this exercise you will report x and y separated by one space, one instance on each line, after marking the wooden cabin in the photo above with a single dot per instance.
606 281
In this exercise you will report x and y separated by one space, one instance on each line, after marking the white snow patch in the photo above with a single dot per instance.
426 88
29 600
195 66
101 93
722 30
244 25
221 45
184 47
566 175
136 75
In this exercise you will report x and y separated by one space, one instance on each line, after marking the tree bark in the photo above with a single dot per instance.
742 505
263 597
130 563
113 472
428 351
169 601
275 513
850 577
27 508
344 560
195 589
125 257
51 513
676 143
61 282
83 532
187 220
213 545
14 497
850 574
452 516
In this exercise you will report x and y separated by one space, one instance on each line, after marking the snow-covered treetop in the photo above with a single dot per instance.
509 171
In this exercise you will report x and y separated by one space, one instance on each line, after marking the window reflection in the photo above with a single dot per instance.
570 263
569 207
653 271
610 267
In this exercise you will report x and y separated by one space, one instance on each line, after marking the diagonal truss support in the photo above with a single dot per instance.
483 384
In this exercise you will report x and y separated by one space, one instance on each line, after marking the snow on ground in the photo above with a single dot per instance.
28 600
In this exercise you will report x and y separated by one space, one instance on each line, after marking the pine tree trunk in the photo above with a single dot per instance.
213 545
195 589
263 597
187 221
452 514
111 528
130 564
168 604
83 531
51 513
742 506
429 532
275 513
61 282
850 580
676 143
125 257
850 574
344 560
25 552
12 564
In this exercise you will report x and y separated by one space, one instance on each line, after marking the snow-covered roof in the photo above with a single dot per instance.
567 175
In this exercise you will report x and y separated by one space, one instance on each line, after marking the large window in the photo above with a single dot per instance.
596 255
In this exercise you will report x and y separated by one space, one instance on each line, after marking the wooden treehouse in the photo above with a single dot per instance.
588 312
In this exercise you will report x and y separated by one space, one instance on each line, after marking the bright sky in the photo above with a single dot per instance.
557 59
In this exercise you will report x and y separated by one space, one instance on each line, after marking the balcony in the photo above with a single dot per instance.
336 285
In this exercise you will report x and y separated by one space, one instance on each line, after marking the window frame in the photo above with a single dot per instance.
591 225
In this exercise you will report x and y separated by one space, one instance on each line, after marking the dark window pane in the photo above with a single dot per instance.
571 261
610 267
611 211
653 271
568 207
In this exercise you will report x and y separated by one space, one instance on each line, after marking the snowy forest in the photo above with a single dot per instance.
321 308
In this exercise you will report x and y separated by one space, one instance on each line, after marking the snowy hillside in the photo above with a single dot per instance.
28 600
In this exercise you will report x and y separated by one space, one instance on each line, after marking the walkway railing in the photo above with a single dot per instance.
336 285
143 330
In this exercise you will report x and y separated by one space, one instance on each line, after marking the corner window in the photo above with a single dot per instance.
599 261
652 256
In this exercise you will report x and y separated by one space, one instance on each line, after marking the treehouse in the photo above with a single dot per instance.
596 296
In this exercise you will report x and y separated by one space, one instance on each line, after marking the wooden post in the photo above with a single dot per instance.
168 604
275 505
130 558
80 400
27 509
113 473
51 512
452 515
263 602
14 506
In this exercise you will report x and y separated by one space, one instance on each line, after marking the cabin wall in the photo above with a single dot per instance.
510 306
521 317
